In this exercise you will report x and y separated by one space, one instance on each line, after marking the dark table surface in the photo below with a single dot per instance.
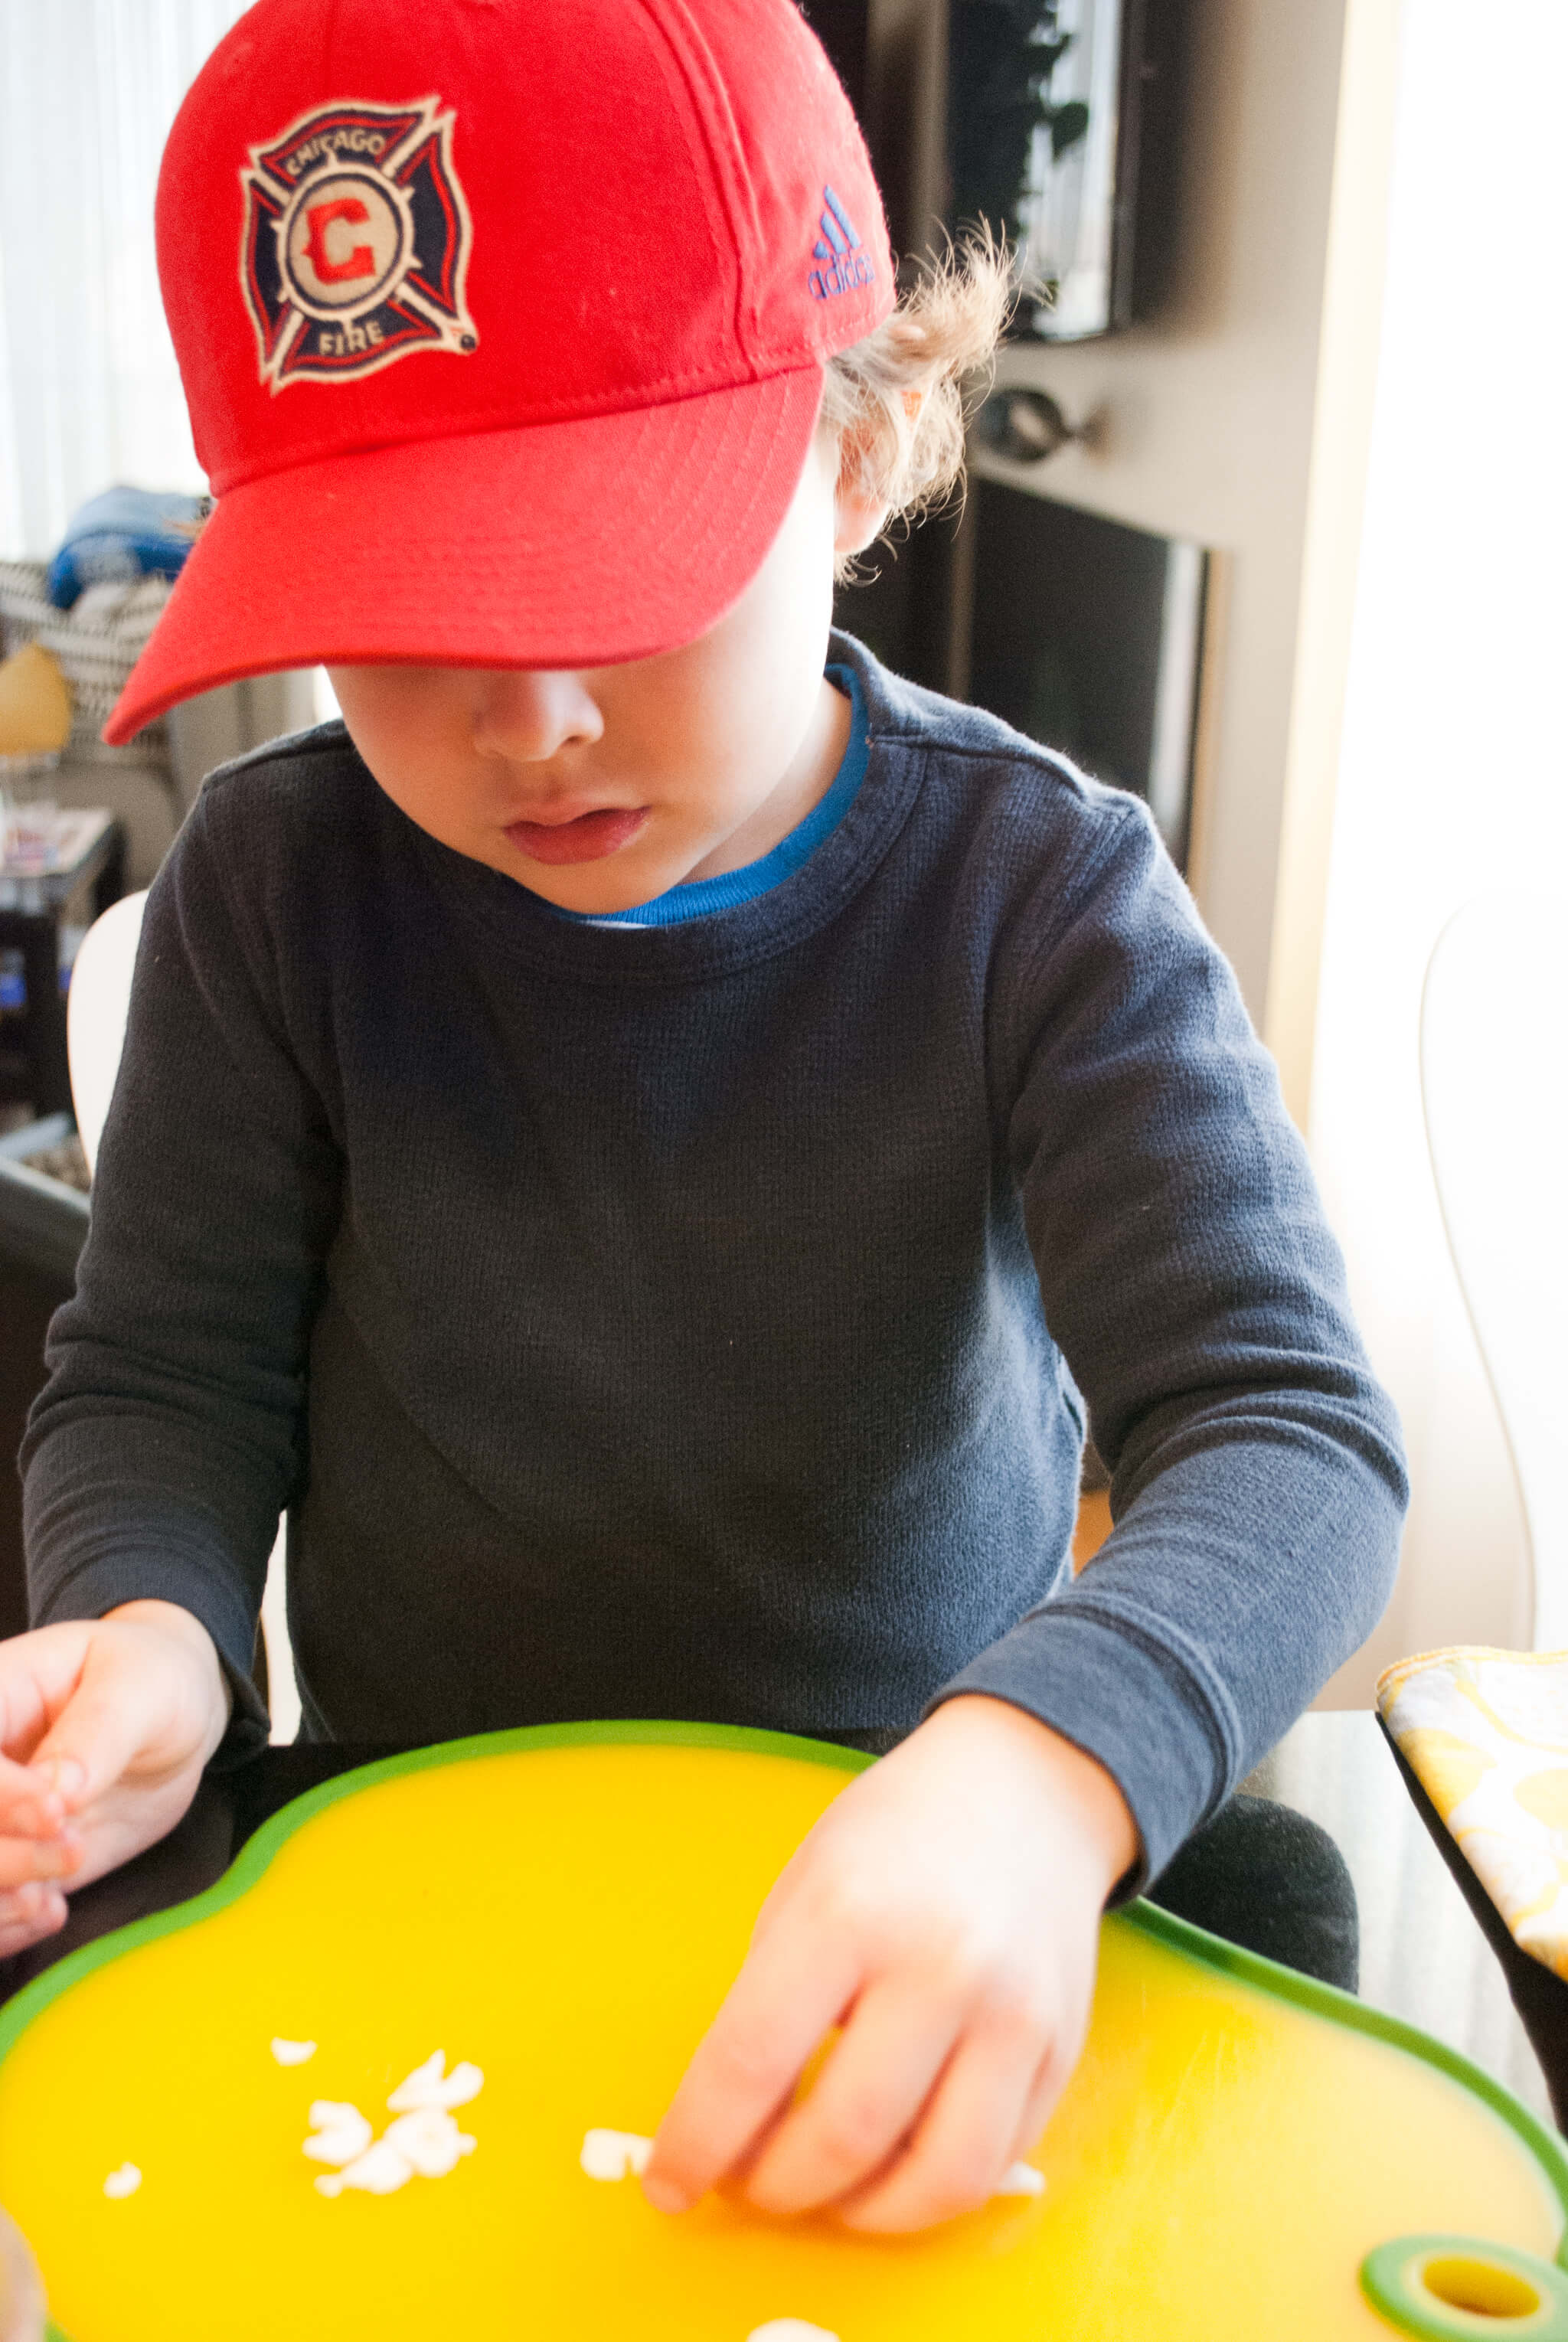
31 903
1422 1956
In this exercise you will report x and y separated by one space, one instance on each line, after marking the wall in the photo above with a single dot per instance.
1352 397
1208 415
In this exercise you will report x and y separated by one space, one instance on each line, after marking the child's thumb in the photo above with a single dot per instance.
104 1724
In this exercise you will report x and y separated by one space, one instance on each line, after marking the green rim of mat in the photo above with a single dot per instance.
1452 2288
1228 1959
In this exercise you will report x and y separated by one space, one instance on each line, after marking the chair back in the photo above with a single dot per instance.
95 1009
1494 1088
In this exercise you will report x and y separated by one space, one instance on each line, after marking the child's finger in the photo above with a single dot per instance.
27 1916
97 1733
1056 2073
38 1675
747 2062
866 2098
964 2141
27 1809
28 1905
23 1860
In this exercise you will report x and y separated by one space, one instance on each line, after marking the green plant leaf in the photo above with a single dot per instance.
1068 123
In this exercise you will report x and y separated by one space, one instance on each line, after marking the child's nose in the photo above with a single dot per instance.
527 714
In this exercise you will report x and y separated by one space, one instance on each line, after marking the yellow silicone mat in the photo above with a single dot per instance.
564 1908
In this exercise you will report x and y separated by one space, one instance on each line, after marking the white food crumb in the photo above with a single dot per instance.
342 2132
790 2329
292 2053
1021 2179
379 2171
615 2153
123 2182
430 2086
429 2141
424 2140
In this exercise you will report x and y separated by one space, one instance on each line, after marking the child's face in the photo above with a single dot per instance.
601 787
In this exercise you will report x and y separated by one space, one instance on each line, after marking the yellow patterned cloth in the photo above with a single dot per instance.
1486 1735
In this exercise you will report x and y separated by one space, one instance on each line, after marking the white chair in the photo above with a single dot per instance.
1494 1086
95 1010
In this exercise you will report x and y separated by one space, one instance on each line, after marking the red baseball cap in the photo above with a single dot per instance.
502 326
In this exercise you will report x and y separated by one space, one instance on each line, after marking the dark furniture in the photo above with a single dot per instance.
32 903
43 1223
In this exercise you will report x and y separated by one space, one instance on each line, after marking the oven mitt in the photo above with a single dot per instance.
1486 1735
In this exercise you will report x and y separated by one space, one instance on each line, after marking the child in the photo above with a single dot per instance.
650 1145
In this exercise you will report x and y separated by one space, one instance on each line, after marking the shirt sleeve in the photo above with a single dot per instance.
168 1437
1191 1281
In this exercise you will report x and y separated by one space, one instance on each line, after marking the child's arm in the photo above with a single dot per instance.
167 1439
945 1913
104 1728
948 1903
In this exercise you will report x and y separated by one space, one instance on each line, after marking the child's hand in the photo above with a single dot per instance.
104 1728
945 1913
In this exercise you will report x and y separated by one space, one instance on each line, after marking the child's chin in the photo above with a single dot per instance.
586 899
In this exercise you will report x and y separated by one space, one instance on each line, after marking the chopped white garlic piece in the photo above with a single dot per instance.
123 2182
790 2329
615 2153
430 2140
1021 2179
292 2053
342 2132
381 2170
430 2086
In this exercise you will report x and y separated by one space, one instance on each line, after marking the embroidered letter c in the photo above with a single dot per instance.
360 261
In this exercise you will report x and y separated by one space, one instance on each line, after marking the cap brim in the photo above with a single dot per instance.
566 544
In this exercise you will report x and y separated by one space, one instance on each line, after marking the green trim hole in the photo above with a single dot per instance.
1464 2289
1485 2289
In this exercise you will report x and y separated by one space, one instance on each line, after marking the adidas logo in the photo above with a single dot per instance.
840 247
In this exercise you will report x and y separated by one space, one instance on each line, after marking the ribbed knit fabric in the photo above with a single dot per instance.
700 1320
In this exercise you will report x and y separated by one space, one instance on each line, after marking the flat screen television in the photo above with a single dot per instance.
1062 118
1088 635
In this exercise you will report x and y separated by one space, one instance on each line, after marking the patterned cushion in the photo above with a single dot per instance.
1486 1734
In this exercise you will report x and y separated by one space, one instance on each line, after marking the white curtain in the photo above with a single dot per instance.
1453 776
89 393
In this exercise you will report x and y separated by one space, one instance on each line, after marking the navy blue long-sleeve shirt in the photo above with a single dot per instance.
701 1320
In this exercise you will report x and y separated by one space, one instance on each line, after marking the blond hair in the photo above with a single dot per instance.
900 399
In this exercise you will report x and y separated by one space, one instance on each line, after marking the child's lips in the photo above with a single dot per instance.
581 837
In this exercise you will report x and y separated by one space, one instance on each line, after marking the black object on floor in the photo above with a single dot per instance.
1540 1996
1265 1877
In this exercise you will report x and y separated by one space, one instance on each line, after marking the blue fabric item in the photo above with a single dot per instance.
122 534
699 897
702 1320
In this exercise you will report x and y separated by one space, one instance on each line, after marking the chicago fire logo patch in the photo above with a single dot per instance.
356 243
